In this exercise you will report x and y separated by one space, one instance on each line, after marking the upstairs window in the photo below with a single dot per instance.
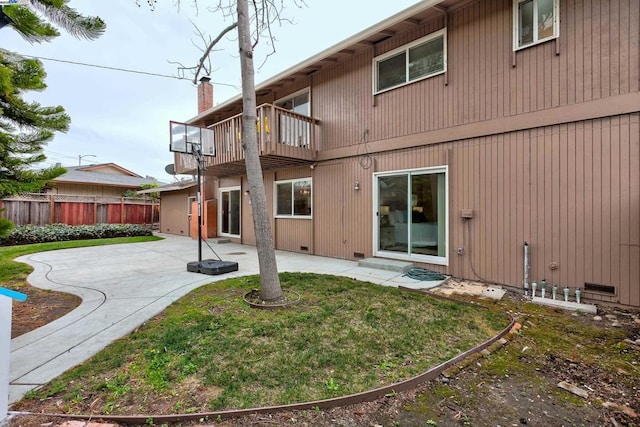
293 198
535 21
298 103
419 60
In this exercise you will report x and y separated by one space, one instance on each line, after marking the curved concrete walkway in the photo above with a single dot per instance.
122 286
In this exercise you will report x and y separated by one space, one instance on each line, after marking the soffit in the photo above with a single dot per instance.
365 40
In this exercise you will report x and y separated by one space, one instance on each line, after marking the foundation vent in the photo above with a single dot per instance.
596 287
304 248
358 255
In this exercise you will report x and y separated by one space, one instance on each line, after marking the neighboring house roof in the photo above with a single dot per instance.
103 167
90 175
174 186
363 40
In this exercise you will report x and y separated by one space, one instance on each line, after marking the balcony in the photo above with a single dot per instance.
285 139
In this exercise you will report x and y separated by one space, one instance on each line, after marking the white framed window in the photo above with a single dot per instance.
293 198
410 215
298 102
292 129
535 21
424 58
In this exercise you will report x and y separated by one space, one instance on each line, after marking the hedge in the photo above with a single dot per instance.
27 234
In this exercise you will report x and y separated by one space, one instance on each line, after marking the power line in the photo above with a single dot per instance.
124 70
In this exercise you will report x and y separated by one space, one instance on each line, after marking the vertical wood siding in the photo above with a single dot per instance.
599 57
571 191
174 218
328 210
292 234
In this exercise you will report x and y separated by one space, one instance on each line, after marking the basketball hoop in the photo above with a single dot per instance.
186 139
200 143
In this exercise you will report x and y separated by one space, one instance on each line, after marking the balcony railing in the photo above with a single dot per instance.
285 139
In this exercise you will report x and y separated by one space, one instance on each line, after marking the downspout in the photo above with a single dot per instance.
526 269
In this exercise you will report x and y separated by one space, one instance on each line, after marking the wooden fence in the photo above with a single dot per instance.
42 209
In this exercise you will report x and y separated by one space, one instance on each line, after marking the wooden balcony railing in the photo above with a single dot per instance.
285 139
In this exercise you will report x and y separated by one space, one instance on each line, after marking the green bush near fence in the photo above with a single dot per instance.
27 234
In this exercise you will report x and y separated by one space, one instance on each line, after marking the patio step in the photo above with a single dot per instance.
386 264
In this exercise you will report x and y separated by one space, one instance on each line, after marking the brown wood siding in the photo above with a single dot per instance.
293 234
571 191
90 190
328 210
174 218
533 140
599 57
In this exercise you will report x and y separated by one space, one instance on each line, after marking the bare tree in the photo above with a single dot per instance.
250 24
270 289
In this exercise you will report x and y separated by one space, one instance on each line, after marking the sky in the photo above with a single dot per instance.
123 117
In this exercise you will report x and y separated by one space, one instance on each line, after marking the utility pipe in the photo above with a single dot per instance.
526 268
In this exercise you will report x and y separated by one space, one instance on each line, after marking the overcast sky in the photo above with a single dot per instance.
123 118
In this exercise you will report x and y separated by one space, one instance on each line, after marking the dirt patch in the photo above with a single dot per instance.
40 308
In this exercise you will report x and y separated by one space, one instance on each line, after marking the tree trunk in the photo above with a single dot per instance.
269 281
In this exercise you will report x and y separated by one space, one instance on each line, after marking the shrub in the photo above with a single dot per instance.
26 234
5 225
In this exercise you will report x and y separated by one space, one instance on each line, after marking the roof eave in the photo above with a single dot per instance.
398 17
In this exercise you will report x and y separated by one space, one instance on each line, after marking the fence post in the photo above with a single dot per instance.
52 206
95 209
121 210
6 297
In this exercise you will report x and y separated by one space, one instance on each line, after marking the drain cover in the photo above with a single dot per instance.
236 253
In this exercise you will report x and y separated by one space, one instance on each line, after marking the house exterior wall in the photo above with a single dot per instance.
542 144
89 190
598 59
174 217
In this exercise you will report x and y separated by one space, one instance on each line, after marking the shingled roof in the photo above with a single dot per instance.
91 175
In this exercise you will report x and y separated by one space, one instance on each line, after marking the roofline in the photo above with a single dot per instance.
368 32
98 166
169 187
99 183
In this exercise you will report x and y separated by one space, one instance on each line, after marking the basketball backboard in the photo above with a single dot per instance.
185 138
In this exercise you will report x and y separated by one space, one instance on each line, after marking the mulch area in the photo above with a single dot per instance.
40 308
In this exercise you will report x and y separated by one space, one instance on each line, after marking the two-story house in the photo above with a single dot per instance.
449 135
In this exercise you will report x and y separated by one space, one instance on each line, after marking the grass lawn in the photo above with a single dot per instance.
210 351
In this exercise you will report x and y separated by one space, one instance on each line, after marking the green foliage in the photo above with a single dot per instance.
5 225
209 351
27 234
155 195
25 127
133 193
41 27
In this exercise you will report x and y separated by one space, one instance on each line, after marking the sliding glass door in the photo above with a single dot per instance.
411 212
229 212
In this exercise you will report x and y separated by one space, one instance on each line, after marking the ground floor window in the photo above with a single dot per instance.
229 212
293 198
411 214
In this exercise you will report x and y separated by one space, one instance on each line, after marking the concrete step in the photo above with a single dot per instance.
386 264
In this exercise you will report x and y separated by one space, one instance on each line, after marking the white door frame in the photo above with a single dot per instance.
225 190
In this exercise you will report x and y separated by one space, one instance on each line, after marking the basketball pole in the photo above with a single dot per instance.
180 143
198 154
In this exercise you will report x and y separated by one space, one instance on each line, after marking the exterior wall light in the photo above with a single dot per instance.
356 186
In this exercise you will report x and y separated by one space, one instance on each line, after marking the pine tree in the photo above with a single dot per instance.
25 127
